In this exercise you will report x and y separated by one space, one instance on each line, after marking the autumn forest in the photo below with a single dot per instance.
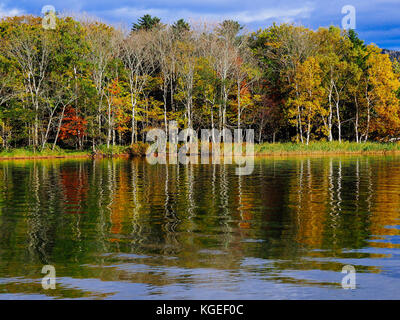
87 84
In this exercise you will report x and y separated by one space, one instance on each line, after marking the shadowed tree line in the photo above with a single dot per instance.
86 83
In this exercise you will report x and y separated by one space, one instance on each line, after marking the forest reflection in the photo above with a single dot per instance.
127 221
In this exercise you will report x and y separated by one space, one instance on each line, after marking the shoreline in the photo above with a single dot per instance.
256 154
327 153
67 156
260 150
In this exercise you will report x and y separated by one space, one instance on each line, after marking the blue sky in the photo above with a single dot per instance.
377 21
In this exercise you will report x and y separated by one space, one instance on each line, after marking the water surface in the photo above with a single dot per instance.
124 229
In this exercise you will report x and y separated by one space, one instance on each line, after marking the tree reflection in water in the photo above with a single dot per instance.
124 228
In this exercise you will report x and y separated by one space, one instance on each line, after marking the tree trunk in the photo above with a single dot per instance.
356 122
47 130
59 127
330 117
238 102
368 120
299 124
109 126
339 123
308 129
165 108
133 102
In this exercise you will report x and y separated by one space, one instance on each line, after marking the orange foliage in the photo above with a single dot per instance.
73 125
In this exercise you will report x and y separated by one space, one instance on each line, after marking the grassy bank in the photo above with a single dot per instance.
325 148
27 153
260 150
101 151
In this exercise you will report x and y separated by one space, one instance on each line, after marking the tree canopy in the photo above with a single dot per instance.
88 83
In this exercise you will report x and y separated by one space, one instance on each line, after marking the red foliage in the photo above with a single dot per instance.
72 125
75 188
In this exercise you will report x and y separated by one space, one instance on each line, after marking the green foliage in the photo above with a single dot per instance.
180 26
147 22
288 83
112 150
30 152
325 147
138 149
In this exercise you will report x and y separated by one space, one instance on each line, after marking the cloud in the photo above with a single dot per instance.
377 20
267 14
247 16
4 12
126 12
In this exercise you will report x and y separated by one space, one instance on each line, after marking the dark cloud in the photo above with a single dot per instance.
378 21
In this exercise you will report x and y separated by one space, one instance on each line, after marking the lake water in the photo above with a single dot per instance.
124 229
